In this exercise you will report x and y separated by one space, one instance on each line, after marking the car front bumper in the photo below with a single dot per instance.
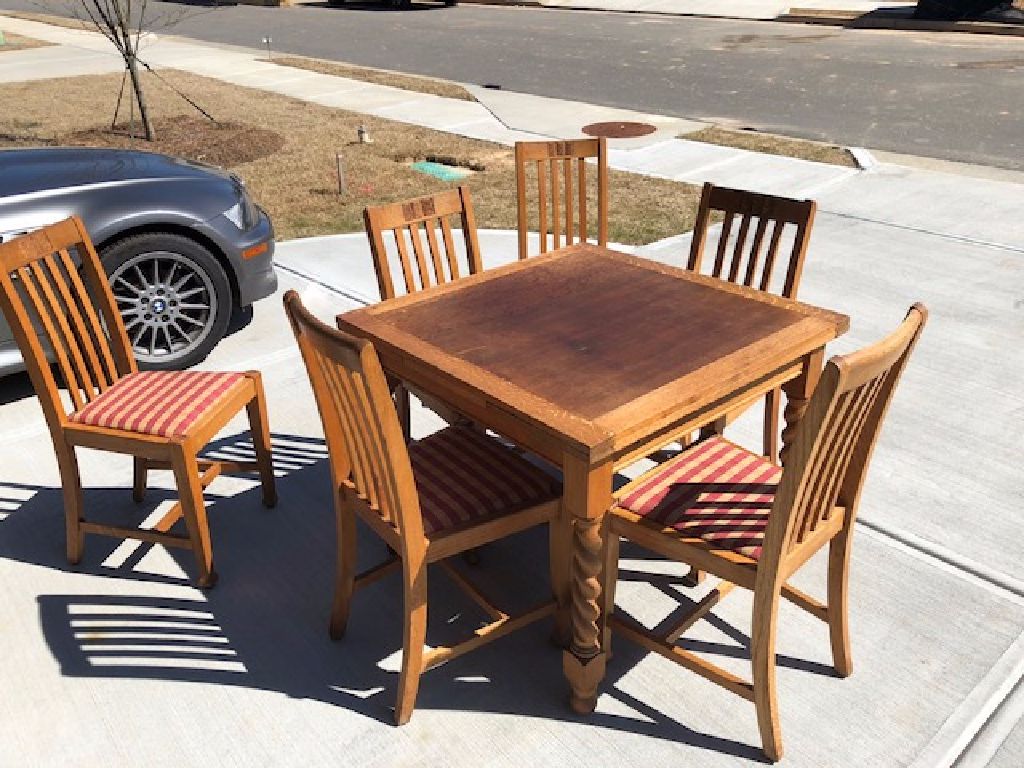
254 275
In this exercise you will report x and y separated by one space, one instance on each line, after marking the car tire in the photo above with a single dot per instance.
174 297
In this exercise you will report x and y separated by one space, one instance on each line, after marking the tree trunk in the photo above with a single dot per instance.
140 98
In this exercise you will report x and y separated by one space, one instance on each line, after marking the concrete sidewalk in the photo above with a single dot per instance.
938 595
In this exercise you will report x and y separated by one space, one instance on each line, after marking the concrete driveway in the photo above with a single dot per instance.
121 662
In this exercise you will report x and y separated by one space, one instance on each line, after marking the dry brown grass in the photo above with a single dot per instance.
416 83
14 42
297 182
774 145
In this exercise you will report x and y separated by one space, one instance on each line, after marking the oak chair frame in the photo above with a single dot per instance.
753 262
815 505
372 478
554 160
75 310
433 263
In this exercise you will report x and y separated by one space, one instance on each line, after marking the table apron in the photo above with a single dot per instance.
482 409
673 427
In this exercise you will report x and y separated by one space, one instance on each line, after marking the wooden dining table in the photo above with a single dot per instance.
592 359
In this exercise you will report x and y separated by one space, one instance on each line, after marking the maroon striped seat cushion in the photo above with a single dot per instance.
715 491
463 475
163 403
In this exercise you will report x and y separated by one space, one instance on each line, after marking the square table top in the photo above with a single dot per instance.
590 341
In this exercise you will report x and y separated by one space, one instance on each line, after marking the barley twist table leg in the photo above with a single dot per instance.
587 496
798 397
587 661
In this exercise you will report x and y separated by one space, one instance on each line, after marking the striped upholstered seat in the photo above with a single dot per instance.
464 476
715 491
163 403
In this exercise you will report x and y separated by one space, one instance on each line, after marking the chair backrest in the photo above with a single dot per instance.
367 450
834 440
434 261
44 293
753 257
559 165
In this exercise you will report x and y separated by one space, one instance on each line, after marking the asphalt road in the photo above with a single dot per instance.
945 95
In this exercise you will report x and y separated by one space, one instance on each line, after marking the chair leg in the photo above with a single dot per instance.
140 475
414 636
344 583
404 408
694 578
772 408
609 579
259 427
71 485
560 563
193 507
838 610
766 608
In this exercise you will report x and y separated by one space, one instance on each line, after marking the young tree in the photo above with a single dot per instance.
124 23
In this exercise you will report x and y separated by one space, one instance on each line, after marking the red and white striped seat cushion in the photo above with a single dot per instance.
164 403
715 491
463 475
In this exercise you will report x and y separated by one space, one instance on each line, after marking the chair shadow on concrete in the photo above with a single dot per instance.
264 626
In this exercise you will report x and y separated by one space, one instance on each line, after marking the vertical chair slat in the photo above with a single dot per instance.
421 260
403 257
755 251
469 236
435 252
771 255
602 191
334 378
76 362
819 462
85 340
723 243
738 251
847 439
542 195
556 219
100 339
40 308
582 191
360 434
522 216
567 171
449 248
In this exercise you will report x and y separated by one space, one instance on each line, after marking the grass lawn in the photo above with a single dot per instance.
774 145
286 151
12 42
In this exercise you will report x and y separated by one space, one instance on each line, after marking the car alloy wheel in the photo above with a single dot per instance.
168 303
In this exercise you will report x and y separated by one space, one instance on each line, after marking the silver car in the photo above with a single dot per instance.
184 245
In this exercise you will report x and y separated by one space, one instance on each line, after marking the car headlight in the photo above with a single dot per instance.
244 214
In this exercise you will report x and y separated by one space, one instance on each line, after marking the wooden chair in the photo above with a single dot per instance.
422 264
754 258
733 513
554 163
455 490
161 418
432 262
